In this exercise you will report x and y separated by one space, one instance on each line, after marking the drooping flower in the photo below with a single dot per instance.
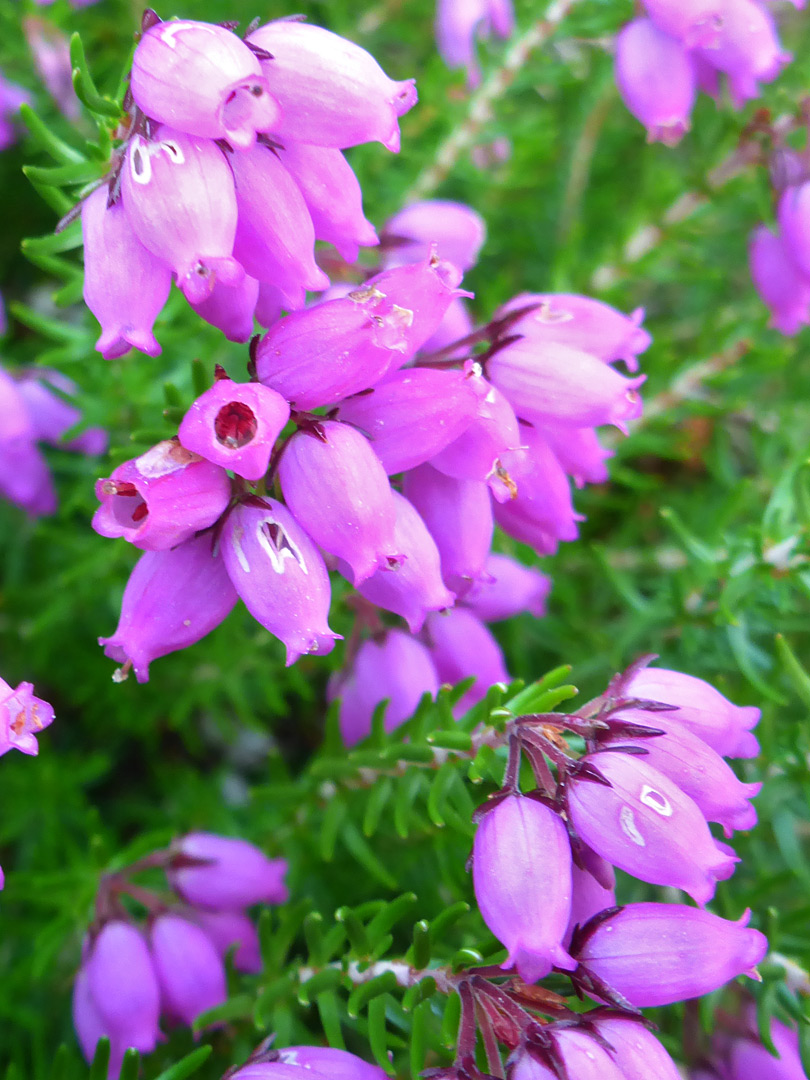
507 589
190 970
522 881
656 954
779 282
203 80
173 599
234 874
461 646
459 22
656 77
454 230
232 930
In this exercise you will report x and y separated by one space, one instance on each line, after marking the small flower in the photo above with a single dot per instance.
235 874
189 968
455 231
462 646
22 717
657 80
779 282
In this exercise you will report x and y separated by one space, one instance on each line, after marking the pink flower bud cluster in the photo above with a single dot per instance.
640 799
174 968
33 410
396 481
231 168
683 46
22 717
460 22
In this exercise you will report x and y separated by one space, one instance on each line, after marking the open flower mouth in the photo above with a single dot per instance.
235 425
127 504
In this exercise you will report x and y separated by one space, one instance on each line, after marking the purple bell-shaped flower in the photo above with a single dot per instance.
234 873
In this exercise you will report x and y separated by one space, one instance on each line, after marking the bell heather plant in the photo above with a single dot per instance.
436 420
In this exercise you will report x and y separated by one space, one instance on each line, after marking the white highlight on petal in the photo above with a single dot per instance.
656 801
627 820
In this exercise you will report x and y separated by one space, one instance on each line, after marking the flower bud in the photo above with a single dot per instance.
725 727
458 514
541 513
635 1050
748 1057
172 600
230 308
698 771
794 225
333 197
457 231
414 587
656 78
235 425
459 22
161 498
275 237
336 487
125 285
235 875
552 383
412 415
189 968
656 954
746 48
644 824
508 588
233 929
280 576
331 1062
324 353
582 323
203 80
90 1027
331 92
22 717
462 646
522 881
779 282
179 198
122 987
579 452
398 670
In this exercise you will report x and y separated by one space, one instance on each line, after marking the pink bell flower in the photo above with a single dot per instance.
179 198
656 78
521 865
22 717
275 237
412 415
333 197
460 22
327 352
189 968
398 669
331 1062
414 587
235 425
125 285
636 1051
337 489
462 646
583 323
657 954
746 49
280 576
235 873
458 514
161 498
693 22
456 231
203 80
52 416
506 589
579 452
230 308
781 285
644 824
232 930
172 600
331 92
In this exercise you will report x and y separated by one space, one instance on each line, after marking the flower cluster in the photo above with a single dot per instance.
460 22
640 799
230 168
176 968
22 717
347 395
34 409
682 46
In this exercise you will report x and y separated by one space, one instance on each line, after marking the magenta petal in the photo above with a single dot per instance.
331 1062
462 646
124 988
172 599
656 954
457 231
656 78
189 968
275 237
331 92
508 588
636 1051
233 930
336 487
280 576
125 285
236 874
230 308
524 900
647 826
